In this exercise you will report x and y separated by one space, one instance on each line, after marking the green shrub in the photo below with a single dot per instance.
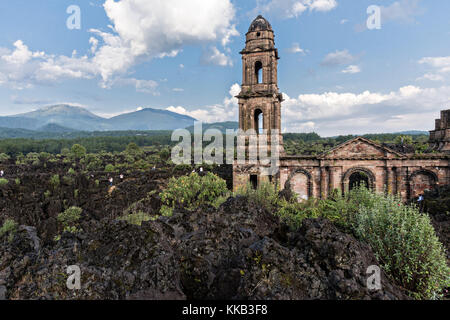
17 181
9 227
47 194
193 191
265 195
77 151
69 220
4 157
134 150
54 181
110 168
405 243
164 154
70 216
3 181
71 171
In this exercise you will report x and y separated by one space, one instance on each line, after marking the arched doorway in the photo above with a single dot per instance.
358 179
421 181
299 182
357 176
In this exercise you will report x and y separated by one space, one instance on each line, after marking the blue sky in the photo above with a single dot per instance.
337 76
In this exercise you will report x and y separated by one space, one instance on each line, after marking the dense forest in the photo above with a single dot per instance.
117 141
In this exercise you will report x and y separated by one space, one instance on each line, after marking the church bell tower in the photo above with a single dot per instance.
260 99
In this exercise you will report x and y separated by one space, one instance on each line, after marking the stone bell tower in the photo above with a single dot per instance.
259 103
260 99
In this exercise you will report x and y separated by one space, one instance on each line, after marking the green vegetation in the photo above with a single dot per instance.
9 228
192 192
112 141
110 168
3 181
4 157
69 219
403 239
54 181
77 151
405 243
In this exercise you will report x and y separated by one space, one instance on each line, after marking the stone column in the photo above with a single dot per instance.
323 183
331 185
389 180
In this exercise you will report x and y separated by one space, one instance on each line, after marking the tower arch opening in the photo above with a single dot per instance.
259 121
259 72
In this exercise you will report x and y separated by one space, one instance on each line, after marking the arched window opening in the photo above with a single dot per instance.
358 179
259 72
259 121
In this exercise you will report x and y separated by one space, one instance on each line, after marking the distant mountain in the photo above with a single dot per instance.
55 128
66 118
414 133
150 119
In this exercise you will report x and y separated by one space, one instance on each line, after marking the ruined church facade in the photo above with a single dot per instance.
355 161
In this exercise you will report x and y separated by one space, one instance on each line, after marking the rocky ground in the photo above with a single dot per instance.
234 252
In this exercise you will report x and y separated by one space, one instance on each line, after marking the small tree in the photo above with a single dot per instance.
54 181
133 150
110 168
9 227
164 154
78 151
403 140
69 219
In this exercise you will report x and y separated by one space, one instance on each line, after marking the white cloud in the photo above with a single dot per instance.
403 11
294 8
215 57
431 77
227 111
352 69
149 29
338 58
343 113
141 30
440 66
321 5
344 21
296 49
331 113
